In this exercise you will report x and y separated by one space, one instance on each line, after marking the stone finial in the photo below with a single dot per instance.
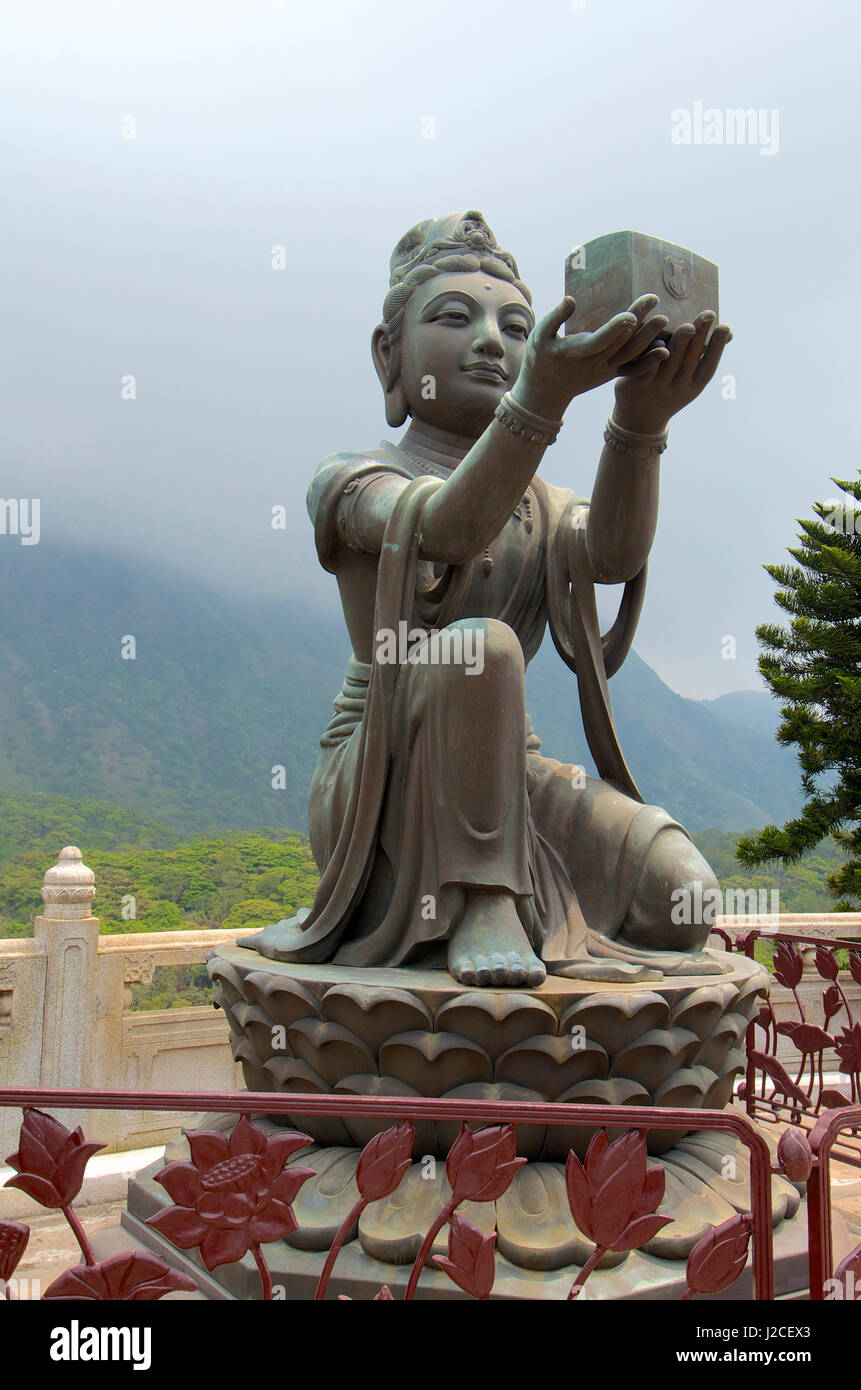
69 886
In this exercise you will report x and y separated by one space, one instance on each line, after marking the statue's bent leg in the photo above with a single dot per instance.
639 878
454 826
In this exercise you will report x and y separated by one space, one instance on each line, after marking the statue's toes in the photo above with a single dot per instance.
534 972
482 970
501 972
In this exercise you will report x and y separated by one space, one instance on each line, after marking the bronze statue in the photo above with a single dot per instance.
444 837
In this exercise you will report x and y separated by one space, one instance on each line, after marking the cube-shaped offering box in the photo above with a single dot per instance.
606 275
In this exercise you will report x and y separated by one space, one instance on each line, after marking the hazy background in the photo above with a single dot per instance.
259 124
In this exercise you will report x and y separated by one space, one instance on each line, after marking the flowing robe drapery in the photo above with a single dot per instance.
431 781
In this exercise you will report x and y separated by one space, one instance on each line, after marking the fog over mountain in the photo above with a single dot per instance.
164 383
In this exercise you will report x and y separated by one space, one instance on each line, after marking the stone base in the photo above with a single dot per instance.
326 1029
539 1249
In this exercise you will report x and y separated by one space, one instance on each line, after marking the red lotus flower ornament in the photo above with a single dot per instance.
855 966
470 1262
788 964
826 962
848 1048
719 1256
795 1155
133 1277
13 1242
50 1161
613 1197
233 1196
481 1163
831 1003
384 1161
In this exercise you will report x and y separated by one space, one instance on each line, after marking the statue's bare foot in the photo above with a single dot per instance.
489 945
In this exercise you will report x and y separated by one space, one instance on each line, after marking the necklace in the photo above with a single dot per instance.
522 512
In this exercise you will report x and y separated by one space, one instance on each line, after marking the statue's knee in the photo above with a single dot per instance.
675 902
485 647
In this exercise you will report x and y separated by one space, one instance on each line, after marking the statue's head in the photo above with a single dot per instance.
455 323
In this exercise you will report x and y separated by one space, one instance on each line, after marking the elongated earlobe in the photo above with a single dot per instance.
387 365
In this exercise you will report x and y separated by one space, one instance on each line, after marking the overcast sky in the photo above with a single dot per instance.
259 124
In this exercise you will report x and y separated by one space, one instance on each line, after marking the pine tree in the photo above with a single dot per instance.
814 666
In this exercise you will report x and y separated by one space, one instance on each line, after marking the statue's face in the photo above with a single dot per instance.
462 343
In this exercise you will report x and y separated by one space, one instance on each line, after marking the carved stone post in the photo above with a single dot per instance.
71 937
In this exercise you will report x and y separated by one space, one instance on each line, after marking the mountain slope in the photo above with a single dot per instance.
222 691
707 771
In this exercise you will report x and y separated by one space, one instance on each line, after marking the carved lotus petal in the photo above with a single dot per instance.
330 1049
496 1021
700 1010
614 1020
284 999
259 1029
375 1014
363 1130
226 979
656 1055
434 1062
324 1201
535 1225
289 1074
529 1139
723 1041
394 1228
616 1090
686 1088
752 990
719 1094
551 1065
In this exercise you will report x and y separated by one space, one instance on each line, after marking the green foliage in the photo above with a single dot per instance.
148 880
814 666
802 887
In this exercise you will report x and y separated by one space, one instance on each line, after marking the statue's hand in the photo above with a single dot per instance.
649 392
555 370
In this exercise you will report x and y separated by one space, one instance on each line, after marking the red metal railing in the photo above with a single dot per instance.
501 1113
801 1098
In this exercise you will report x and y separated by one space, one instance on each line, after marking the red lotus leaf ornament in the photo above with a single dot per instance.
826 962
848 1048
807 1037
234 1195
481 1164
50 1161
613 1197
470 1263
795 1155
788 964
384 1161
832 1100
13 1242
719 1256
134 1277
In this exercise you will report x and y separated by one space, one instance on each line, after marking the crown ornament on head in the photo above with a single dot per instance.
444 236
461 241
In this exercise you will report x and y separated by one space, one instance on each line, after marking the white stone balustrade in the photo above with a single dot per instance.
65 1017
